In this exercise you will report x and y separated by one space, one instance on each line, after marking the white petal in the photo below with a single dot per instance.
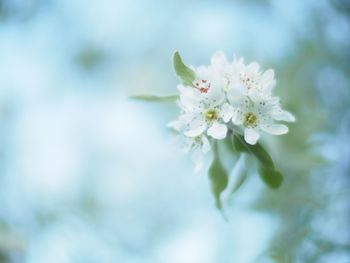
219 59
267 88
251 136
226 112
254 95
197 158
215 97
206 145
176 125
235 92
268 76
181 122
204 72
265 107
253 67
283 116
184 89
216 83
197 127
186 118
188 91
275 129
268 82
237 117
217 131
190 103
186 143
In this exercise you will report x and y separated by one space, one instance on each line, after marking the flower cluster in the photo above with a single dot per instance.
228 96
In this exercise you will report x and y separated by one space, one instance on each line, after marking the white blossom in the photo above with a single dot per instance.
251 79
228 95
198 146
255 114
202 113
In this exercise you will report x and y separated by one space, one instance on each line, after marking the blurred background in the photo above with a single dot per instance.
88 175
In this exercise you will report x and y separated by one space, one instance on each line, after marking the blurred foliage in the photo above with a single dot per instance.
342 5
309 223
302 200
90 58
12 246
21 10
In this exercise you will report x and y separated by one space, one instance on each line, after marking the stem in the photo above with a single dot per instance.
238 135
216 149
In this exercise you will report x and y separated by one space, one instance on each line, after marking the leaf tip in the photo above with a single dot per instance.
271 177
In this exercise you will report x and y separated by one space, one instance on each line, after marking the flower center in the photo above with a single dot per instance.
249 81
250 119
212 115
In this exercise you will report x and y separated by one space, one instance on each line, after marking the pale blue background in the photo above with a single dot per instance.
86 175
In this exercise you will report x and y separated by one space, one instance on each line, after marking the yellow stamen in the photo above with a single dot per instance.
211 115
250 119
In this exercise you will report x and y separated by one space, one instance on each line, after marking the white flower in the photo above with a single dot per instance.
250 79
199 146
221 66
181 123
228 95
202 113
207 79
256 113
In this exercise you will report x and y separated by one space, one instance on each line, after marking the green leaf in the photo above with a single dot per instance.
146 97
229 143
270 176
267 171
257 150
186 74
262 155
240 144
219 179
242 173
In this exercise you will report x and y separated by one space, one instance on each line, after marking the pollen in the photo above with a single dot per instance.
202 85
204 90
212 115
250 119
